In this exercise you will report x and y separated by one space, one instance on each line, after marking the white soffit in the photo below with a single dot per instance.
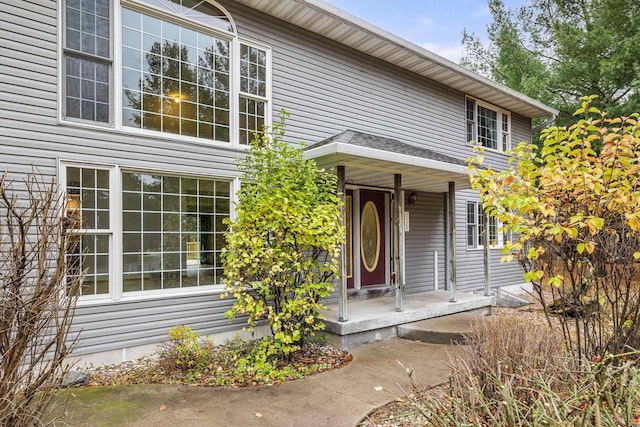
335 24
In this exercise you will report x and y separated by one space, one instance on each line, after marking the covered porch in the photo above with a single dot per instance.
375 319
398 261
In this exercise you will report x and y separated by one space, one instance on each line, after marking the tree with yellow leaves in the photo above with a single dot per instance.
574 215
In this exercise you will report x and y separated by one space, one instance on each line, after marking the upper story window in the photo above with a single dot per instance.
196 10
87 60
176 67
253 90
174 79
489 126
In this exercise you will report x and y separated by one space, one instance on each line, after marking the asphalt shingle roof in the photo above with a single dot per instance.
376 142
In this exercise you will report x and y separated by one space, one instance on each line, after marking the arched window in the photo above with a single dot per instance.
176 66
200 11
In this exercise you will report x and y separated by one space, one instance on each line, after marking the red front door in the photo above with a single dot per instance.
372 238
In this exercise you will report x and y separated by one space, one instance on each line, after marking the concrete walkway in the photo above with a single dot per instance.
337 398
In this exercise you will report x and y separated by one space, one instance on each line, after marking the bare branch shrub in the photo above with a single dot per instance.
500 347
520 374
37 301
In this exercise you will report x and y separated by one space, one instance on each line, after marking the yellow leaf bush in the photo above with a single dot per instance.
573 208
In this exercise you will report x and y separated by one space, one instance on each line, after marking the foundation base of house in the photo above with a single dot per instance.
377 319
110 357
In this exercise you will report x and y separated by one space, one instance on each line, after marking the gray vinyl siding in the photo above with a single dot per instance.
425 236
31 137
101 325
326 87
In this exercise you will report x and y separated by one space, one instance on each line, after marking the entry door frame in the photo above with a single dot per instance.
355 230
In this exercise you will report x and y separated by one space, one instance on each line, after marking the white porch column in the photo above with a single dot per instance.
342 296
398 231
451 209
487 257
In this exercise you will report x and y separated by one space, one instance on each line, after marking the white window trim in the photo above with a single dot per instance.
116 293
236 80
62 173
499 132
115 124
61 66
476 235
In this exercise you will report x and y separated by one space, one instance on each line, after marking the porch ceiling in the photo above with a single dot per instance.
370 160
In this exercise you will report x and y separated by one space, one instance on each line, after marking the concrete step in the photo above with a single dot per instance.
441 330
377 319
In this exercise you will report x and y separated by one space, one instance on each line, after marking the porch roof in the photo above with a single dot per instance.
372 160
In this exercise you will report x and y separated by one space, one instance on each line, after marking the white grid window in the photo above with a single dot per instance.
471 120
88 203
179 64
475 228
487 125
506 137
174 79
173 231
487 128
472 225
253 91
87 62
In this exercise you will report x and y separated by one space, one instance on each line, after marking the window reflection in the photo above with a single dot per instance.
175 79
173 231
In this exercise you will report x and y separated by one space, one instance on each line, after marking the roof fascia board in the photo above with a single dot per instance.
363 25
529 105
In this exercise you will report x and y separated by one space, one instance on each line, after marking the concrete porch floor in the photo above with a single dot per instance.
376 319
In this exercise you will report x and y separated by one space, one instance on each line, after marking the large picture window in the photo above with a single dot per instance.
173 231
487 125
174 79
178 60
169 230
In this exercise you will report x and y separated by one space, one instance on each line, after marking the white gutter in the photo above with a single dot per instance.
414 58
363 25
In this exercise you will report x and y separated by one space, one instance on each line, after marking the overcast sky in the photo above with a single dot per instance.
436 25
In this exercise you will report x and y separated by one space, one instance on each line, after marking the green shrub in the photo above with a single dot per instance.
283 246
184 350
187 358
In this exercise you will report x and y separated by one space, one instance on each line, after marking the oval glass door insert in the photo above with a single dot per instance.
370 236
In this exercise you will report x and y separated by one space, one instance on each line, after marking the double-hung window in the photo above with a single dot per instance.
253 90
487 125
87 61
180 67
476 228
89 200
